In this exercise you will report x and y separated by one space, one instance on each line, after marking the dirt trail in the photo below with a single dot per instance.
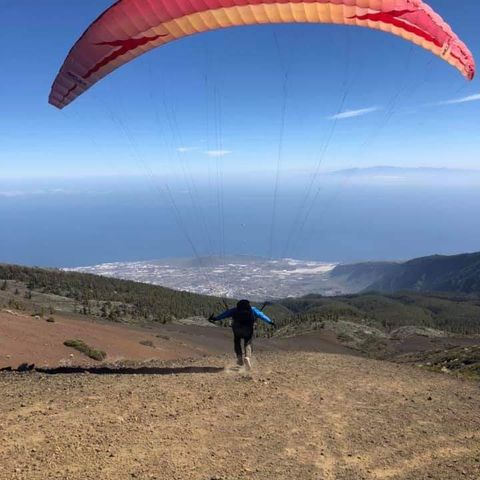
296 416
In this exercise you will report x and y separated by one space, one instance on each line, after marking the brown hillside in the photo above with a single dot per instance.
27 339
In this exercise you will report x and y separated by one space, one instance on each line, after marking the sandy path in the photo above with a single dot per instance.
297 416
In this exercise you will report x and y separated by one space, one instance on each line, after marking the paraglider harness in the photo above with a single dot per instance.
243 319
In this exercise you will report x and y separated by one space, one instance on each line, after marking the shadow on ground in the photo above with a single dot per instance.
112 370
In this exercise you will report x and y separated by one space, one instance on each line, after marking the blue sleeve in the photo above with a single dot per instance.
225 314
259 314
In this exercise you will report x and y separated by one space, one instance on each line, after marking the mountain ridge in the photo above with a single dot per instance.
436 273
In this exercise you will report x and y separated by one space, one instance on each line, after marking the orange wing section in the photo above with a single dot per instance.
130 28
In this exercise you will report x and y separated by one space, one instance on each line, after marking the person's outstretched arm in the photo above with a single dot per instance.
225 314
259 314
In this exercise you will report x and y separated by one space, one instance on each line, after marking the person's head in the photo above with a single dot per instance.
243 305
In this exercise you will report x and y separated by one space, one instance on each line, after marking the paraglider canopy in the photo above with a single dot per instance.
130 28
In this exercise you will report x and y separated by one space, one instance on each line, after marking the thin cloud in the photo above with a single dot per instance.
217 153
456 101
354 113
22 193
185 149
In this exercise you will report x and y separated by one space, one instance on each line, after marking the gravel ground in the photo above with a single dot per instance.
295 416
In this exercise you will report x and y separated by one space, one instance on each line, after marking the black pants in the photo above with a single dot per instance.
247 337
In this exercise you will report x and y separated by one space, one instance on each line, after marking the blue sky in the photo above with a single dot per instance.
218 97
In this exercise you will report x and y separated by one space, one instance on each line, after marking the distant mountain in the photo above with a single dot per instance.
437 273
357 277
456 273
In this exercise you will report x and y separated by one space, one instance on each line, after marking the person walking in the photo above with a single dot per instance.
244 317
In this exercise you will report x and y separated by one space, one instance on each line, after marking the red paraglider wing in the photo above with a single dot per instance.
132 27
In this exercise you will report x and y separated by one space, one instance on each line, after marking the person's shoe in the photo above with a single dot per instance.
248 363
240 361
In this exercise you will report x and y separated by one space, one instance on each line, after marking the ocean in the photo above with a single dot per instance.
69 224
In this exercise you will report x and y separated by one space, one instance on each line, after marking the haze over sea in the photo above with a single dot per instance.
372 214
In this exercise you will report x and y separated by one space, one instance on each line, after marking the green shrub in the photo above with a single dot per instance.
82 347
16 305
163 337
